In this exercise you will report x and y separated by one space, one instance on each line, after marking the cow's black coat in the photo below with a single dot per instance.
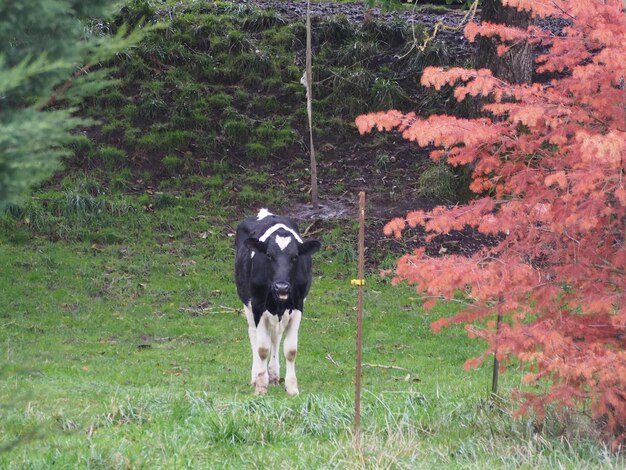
262 277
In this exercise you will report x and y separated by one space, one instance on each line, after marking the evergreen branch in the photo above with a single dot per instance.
50 100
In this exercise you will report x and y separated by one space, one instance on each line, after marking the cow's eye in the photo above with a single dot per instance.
294 259
270 258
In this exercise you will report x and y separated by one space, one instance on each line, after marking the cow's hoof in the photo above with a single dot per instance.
260 387
274 379
292 388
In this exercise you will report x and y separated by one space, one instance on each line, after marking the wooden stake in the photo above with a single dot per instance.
496 364
359 318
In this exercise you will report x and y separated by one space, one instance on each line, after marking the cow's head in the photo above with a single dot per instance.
282 254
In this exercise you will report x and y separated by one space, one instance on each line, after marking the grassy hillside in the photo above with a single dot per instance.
123 343
216 95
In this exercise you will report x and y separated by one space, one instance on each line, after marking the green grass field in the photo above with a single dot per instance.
134 354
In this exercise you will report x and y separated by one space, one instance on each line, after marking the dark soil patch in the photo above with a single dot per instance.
451 31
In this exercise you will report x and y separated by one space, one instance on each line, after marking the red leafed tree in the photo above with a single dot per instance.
548 162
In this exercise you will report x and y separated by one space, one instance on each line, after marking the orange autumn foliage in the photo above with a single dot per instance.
550 167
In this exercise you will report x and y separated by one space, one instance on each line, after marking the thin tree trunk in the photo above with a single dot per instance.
309 93
516 65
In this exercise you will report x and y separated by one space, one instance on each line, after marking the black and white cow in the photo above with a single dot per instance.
273 275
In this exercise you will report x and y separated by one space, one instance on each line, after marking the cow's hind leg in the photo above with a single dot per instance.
291 351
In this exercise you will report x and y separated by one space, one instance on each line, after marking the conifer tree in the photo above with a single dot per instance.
50 50
549 165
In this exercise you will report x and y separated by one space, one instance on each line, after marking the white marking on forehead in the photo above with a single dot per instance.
263 213
276 227
283 242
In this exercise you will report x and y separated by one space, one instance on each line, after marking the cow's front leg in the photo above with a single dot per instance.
274 368
263 348
291 351
252 334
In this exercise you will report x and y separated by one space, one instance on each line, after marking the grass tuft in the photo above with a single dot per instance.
257 151
172 164
335 29
438 181
262 20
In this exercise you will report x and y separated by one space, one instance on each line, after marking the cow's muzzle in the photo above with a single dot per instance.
281 290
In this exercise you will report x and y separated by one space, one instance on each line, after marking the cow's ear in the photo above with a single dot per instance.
309 248
255 244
